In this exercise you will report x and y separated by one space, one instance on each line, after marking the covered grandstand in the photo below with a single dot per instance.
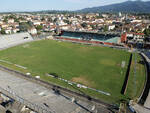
110 38
7 41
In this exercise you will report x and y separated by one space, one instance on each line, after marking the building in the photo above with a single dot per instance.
120 15
36 23
8 31
111 27
32 31
136 37
10 21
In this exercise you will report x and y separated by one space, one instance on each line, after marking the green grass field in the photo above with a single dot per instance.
137 78
93 66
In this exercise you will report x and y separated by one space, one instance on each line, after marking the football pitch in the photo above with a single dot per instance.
101 68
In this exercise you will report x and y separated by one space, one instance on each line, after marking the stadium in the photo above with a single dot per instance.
95 70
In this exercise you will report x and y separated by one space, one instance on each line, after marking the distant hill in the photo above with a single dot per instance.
128 6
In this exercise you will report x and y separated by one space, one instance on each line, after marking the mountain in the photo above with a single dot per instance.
128 6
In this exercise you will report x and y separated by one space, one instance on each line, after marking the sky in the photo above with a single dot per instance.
38 5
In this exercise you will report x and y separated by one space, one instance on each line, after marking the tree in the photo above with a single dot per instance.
38 32
43 19
3 31
10 17
55 20
50 20
105 28
67 21
24 26
39 27
94 26
21 18
147 32
6 19
84 18
147 35
84 24
16 20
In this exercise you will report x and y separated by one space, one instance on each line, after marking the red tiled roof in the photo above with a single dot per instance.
136 33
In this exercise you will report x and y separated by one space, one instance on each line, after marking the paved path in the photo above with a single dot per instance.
147 102
146 107
38 94
141 109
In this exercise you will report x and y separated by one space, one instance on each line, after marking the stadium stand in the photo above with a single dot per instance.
144 97
7 41
88 36
147 54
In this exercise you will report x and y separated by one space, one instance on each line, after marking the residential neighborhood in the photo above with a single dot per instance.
12 23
